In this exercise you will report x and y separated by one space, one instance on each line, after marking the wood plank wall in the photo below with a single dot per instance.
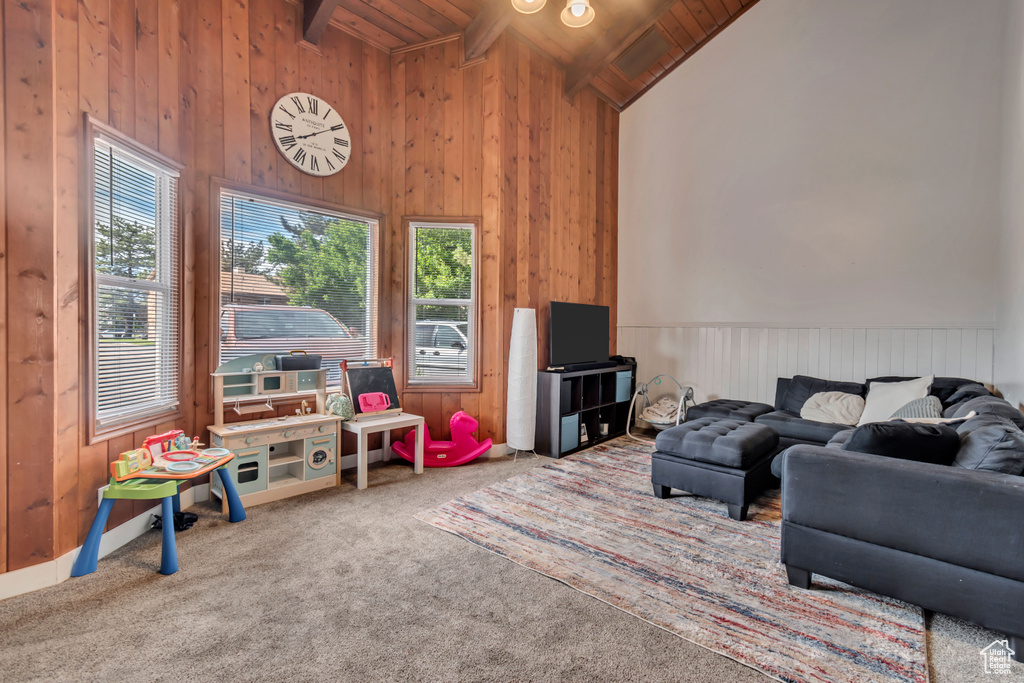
194 79
743 362
498 140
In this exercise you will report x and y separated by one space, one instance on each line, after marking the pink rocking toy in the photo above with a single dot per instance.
460 450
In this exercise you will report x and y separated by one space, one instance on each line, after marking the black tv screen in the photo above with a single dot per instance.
579 333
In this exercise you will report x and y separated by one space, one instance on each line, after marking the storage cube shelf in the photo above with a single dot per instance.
567 402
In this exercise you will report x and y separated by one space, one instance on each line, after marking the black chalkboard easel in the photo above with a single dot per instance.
370 376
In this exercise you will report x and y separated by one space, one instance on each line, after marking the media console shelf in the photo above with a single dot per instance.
569 401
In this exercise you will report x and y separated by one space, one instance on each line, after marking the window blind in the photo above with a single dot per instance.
295 277
442 303
136 307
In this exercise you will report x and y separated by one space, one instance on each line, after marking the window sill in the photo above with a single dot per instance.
441 388
103 434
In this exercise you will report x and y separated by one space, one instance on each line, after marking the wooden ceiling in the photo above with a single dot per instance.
587 54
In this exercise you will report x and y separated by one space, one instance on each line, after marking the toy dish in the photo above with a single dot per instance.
216 452
183 467
179 456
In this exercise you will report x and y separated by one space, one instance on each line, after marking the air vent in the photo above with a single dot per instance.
641 55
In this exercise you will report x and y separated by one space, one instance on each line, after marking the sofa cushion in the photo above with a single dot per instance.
836 443
885 398
969 519
942 388
790 425
840 439
989 405
967 392
929 406
744 411
936 444
722 442
835 407
991 443
802 387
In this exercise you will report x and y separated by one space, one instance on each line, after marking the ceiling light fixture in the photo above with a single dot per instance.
528 6
577 13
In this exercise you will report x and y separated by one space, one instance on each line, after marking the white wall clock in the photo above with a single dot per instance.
310 134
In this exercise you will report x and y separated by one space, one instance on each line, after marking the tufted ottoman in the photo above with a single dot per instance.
726 460
742 411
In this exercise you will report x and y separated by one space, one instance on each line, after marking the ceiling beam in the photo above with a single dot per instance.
315 16
485 28
623 34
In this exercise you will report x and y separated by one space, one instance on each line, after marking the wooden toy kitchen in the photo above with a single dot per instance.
275 457
284 456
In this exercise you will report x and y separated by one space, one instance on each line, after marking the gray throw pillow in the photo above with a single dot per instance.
991 443
990 405
929 406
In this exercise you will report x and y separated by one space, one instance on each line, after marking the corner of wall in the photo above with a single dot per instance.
1009 334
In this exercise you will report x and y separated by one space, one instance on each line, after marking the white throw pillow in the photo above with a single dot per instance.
885 398
835 407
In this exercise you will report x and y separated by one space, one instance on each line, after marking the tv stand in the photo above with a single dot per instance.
569 400
578 367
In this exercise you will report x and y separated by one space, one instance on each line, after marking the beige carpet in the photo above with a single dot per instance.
345 585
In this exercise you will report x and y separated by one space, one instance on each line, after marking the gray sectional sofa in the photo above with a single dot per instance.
937 522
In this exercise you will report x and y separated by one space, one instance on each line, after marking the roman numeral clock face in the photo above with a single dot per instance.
310 134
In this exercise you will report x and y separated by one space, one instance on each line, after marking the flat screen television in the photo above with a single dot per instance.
579 333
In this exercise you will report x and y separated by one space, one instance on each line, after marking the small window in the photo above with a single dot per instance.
442 303
296 276
136 261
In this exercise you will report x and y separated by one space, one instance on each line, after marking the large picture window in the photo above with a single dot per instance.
442 303
296 277
135 262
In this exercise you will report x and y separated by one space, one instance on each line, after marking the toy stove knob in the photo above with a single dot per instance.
248 439
320 428
287 434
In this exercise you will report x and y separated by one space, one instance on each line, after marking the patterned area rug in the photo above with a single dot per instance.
591 521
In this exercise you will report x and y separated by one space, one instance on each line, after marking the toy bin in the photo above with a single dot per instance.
321 456
570 432
623 386
248 470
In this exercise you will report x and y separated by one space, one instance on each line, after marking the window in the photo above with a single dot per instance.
442 303
296 277
135 305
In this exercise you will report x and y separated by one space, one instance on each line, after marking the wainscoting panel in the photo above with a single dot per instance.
744 362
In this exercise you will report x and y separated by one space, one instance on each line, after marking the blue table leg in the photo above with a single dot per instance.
177 503
236 513
169 553
85 563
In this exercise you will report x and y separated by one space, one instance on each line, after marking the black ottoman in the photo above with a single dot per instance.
741 411
726 460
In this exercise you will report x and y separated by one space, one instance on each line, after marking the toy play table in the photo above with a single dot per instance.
366 425
166 489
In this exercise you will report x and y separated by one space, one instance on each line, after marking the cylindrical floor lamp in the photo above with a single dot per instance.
521 416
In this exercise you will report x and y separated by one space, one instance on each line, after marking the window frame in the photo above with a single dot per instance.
444 385
94 130
220 185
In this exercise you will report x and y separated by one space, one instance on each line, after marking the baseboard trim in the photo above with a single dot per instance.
36 577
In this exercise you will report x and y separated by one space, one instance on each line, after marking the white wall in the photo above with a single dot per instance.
820 163
1009 366
744 362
